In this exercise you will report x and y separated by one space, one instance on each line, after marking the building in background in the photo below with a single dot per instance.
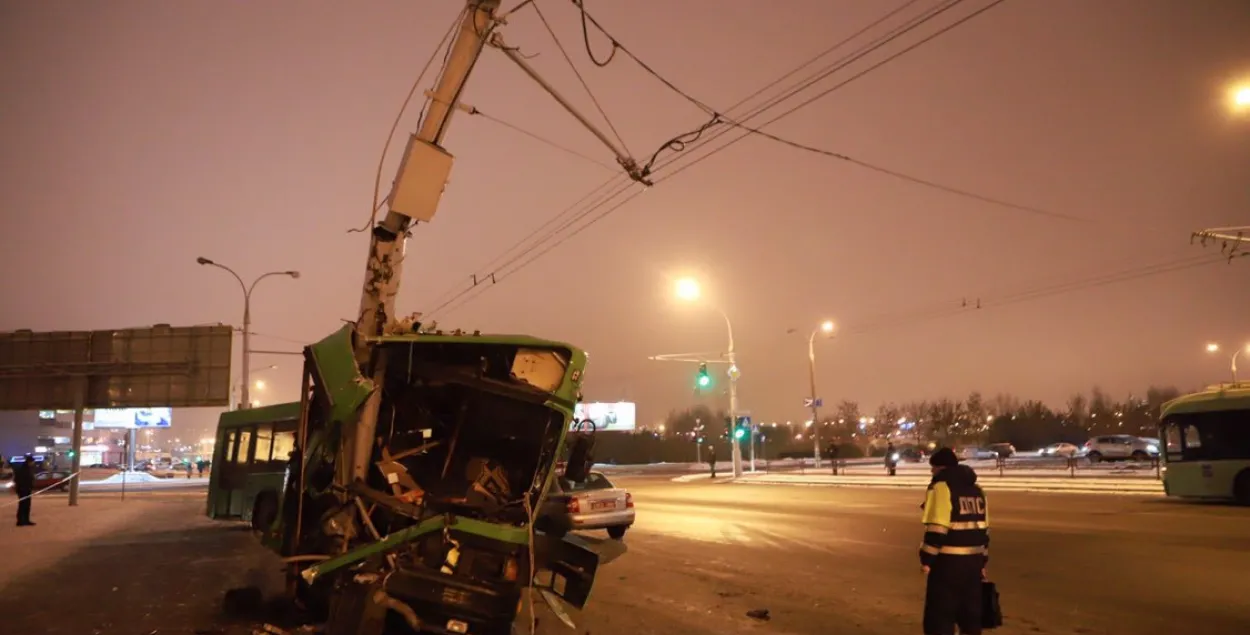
19 433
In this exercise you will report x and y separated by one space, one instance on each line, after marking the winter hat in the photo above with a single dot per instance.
944 457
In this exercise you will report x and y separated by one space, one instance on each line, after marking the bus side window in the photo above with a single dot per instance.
1172 439
227 447
243 450
264 443
1193 444
283 445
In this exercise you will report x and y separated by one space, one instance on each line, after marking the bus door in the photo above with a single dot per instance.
232 477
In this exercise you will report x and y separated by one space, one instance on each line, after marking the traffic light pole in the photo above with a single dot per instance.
731 359
733 398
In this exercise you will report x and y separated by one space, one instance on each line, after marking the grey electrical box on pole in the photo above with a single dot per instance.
414 197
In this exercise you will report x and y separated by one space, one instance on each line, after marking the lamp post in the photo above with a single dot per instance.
1239 99
825 328
1232 363
688 290
244 393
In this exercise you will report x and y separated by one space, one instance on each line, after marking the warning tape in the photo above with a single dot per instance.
52 486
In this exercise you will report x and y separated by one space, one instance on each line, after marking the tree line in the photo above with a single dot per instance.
974 420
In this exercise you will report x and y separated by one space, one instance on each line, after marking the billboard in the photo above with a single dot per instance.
132 418
129 368
607 417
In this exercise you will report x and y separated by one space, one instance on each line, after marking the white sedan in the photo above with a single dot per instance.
1065 450
975 454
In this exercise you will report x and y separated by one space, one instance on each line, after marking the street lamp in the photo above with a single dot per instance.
1215 348
688 289
826 328
245 401
1239 98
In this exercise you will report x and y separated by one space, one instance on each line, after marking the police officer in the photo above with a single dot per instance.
24 487
955 550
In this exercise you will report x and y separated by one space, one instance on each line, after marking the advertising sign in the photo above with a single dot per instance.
607 417
179 367
132 418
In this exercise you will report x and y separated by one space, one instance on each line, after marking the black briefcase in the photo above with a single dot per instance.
991 612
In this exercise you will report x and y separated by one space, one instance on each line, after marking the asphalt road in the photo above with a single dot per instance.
821 560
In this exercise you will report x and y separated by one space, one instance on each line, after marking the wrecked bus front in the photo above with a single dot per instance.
438 536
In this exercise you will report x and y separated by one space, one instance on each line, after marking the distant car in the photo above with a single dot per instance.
1003 450
909 454
44 480
595 504
1120 447
1064 450
977 454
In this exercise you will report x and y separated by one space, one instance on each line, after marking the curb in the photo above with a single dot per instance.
1081 488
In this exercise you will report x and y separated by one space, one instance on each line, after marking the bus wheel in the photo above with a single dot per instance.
1241 488
264 511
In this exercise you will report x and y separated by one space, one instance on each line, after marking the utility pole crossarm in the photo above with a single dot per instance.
1232 238
622 157
696 358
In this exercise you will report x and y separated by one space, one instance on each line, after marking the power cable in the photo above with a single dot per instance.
677 144
956 306
544 140
502 272
494 277
841 64
484 272
961 306
580 79
757 128
377 183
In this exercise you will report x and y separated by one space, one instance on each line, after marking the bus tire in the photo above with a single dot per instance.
264 511
1241 488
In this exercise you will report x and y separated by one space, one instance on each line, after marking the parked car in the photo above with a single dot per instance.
1064 450
595 504
45 480
1003 450
977 454
910 454
1120 447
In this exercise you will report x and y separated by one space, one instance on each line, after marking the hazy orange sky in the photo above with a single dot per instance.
139 135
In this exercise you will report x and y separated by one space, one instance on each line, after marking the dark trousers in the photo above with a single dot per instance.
23 510
953 596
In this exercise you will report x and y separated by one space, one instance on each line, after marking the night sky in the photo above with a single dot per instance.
138 135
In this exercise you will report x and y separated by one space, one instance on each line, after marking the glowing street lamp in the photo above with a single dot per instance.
1215 348
689 290
1239 99
247 317
826 328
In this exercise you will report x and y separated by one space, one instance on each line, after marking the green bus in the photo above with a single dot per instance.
433 511
1206 438
250 458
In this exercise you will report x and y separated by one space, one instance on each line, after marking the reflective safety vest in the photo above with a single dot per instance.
956 522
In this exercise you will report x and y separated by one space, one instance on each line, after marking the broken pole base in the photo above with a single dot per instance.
354 611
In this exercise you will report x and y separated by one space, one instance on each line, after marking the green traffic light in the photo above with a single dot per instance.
739 433
704 381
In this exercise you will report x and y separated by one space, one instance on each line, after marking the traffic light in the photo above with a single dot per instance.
739 433
703 379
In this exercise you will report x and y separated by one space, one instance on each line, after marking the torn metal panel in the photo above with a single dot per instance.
513 535
338 375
